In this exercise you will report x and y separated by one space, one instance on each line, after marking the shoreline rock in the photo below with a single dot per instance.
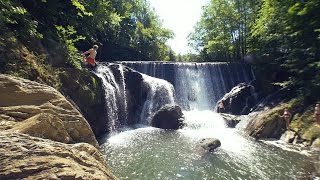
23 156
36 123
22 99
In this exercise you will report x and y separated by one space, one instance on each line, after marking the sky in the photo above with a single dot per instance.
179 16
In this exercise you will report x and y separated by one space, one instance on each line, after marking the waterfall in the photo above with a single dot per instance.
123 93
160 92
174 154
198 86
112 92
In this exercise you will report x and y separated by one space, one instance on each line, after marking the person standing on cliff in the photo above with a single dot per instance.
317 113
91 59
287 117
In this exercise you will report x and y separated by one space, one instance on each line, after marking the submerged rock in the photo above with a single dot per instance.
168 117
209 144
230 120
26 157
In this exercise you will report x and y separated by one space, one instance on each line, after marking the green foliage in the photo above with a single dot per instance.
68 37
15 18
284 36
82 10
141 29
223 31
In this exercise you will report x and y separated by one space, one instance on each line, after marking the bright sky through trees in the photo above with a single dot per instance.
180 16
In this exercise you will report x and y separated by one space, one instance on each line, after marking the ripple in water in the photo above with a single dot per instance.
152 153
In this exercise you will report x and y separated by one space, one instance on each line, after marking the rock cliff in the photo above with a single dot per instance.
43 136
26 157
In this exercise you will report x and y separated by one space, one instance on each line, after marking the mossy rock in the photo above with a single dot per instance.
267 124
85 89
311 133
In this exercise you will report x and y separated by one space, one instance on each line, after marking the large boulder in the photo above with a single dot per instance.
34 108
26 157
238 101
169 116
43 125
266 124
208 144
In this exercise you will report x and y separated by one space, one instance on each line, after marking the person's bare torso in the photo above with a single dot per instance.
93 53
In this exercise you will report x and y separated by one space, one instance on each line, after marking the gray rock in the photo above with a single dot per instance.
230 120
168 117
316 144
209 144
288 136
239 100
267 124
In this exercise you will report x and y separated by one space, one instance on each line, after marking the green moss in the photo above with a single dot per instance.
311 133
303 121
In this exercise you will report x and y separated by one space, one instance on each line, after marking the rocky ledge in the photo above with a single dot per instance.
43 136
23 156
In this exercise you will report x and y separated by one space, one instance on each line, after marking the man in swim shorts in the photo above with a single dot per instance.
92 56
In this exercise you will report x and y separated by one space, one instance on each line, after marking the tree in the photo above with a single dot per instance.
222 32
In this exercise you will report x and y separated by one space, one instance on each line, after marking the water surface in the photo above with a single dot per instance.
152 153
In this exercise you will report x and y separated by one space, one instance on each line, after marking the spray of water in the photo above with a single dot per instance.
112 91
160 92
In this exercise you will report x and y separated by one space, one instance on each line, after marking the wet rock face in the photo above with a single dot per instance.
238 101
230 120
209 144
85 90
168 117
23 156
39 110
136 93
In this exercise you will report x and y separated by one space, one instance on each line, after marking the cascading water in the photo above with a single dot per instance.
112 92
151 153
123 94
160 92
198 86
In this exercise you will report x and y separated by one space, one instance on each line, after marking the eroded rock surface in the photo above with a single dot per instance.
37 109
26 157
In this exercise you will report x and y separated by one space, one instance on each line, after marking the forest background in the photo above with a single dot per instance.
39 39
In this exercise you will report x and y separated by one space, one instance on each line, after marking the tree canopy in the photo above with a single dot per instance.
124 29
283 36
